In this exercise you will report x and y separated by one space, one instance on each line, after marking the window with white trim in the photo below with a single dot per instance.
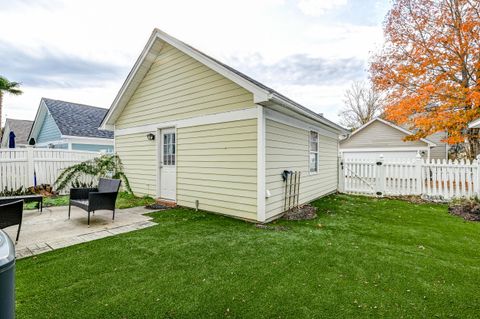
313 146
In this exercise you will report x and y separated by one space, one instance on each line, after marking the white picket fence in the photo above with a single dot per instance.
435 178
19 166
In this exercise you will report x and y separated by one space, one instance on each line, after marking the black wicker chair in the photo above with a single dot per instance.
11 213
92 199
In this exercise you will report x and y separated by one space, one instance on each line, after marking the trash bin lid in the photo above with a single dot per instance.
7 251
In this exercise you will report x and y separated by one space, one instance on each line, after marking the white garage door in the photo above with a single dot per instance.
388 155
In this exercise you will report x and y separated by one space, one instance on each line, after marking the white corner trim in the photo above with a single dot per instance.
239 115
288 120
261 191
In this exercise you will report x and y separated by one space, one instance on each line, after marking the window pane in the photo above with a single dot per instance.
313 162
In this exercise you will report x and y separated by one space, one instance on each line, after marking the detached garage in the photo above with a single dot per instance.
380 137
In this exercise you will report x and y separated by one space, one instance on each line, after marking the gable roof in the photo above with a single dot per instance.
73 119
261 93
399 128
21 128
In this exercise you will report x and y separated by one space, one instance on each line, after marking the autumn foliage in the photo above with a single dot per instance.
429 67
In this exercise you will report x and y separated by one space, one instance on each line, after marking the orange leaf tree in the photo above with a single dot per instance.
429 67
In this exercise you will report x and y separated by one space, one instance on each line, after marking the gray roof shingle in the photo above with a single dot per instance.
75 119
21 128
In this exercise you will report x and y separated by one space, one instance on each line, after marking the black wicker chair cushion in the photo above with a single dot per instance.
92 199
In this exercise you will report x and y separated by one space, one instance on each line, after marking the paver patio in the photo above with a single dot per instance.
51 229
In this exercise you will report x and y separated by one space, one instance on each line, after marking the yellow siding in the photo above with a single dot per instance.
287 148
217 165
178 87
139 158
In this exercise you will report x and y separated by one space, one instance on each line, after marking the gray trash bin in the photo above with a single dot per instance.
7 277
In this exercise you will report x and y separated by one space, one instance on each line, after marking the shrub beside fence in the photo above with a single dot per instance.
434 178
20 167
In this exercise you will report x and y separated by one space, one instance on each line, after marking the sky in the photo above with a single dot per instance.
82 51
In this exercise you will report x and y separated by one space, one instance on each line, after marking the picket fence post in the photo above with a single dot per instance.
418 174
341 175
380 177
30 167
476 182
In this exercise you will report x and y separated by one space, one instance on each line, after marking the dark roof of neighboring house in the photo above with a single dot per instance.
75 119
21 128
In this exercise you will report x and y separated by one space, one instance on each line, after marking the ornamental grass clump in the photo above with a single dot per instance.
109 166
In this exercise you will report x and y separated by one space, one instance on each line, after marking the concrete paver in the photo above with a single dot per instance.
42 232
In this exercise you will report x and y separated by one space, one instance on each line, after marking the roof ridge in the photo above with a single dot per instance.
74 103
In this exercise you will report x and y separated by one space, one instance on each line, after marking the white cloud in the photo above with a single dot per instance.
319 7
114 32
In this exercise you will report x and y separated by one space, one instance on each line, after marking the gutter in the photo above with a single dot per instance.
306 112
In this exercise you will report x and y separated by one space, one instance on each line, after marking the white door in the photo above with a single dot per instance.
168 160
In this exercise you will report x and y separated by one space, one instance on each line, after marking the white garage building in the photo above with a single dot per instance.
383 137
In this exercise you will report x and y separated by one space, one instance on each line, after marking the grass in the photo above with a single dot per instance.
124 200
360 258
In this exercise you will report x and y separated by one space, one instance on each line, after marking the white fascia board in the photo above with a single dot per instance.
38 121
383 149
239 115
146 59
308 113
291 121
87 140
260 95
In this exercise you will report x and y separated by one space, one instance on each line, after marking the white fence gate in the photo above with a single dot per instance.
435 178
19 166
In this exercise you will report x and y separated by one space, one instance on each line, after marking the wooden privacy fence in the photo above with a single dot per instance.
19 166
435 178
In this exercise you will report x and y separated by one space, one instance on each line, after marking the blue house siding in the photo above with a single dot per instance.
49 131
92 147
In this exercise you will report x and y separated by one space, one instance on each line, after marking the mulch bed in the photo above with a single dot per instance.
305 212
157 206
468 210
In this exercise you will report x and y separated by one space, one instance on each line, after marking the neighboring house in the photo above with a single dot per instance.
20 128
474 124
381 137
192 130
65 125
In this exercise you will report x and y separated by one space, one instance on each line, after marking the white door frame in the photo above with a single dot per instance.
159 159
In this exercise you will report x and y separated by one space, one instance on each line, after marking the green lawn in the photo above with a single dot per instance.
124 200
361 258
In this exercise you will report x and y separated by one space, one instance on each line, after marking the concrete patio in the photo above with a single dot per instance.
51 229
